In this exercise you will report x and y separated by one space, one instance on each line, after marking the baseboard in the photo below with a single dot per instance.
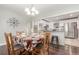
2 44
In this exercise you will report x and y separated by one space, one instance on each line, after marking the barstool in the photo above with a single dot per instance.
55 39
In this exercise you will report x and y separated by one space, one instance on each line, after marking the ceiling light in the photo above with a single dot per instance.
28 13
33 14
71 15
31 11
36 12
26 9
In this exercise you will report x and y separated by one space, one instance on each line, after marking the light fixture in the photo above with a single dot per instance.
27 10
31 11
71 15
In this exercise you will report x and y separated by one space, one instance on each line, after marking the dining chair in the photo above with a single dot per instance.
12 48
38 50
47 39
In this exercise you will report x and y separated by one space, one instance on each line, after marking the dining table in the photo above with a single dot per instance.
29 42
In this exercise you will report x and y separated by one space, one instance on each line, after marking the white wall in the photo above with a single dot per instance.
4 26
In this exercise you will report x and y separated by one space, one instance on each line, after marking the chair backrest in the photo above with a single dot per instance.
9 42
29 43
46 42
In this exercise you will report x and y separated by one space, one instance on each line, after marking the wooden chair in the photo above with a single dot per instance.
13 49
29 47
38 50
47 36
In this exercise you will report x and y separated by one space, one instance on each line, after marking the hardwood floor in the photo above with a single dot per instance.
57 51
62 51
52 50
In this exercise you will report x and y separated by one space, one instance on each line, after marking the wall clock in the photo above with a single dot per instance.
13 22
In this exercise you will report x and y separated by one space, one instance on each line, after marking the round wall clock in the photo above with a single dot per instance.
13 22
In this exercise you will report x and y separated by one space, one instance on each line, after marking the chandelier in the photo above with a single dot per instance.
31 11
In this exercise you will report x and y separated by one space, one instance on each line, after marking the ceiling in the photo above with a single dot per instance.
45 10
